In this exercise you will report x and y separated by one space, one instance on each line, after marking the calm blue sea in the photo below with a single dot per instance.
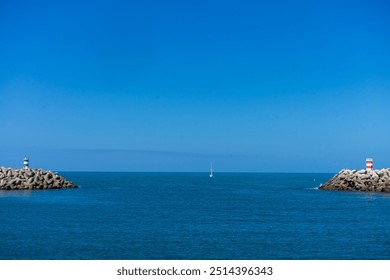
190 216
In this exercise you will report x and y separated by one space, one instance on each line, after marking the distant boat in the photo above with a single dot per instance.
211 170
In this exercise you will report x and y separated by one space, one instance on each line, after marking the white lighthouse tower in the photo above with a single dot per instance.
369 164
25 163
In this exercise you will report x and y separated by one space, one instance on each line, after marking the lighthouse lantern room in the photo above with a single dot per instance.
25 163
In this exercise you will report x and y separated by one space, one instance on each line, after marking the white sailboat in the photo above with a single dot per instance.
211 170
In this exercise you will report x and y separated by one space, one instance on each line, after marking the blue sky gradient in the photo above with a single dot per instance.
268 86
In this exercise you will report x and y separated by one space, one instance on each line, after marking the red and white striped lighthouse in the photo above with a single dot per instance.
369 164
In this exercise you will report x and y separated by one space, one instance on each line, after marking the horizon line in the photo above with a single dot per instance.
218 172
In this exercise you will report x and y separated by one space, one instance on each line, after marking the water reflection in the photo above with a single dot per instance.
16 193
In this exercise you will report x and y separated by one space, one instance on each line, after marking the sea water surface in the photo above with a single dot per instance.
192 216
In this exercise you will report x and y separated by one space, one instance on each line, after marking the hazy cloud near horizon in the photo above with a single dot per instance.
150 161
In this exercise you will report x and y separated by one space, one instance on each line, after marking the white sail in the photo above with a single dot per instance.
211 170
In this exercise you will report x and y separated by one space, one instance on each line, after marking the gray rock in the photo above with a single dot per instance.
362 180
31 179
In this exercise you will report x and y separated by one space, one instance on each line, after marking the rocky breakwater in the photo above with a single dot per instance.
360 180
32 179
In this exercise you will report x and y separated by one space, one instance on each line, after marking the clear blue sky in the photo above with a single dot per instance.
284 86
